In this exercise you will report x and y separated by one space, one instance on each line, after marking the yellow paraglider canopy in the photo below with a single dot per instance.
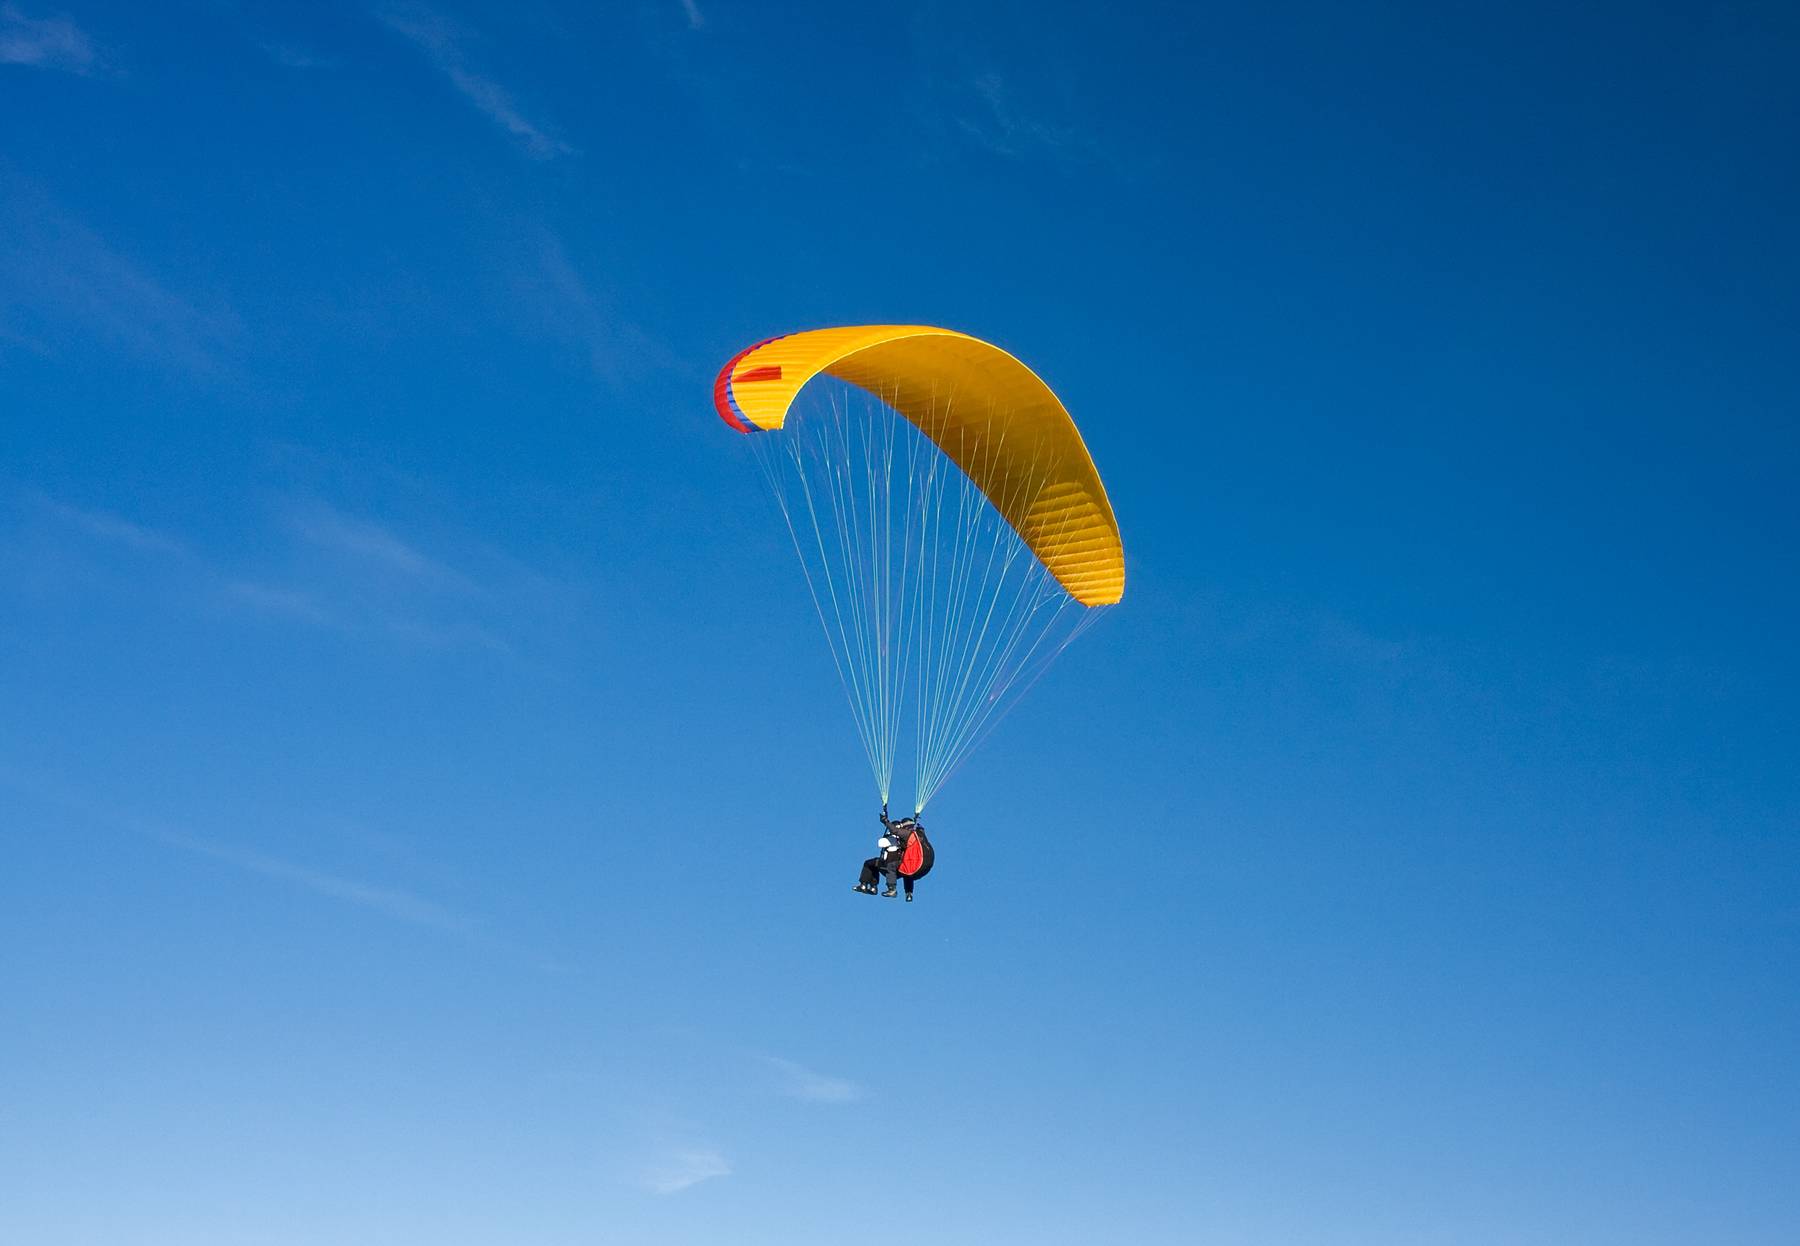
987 411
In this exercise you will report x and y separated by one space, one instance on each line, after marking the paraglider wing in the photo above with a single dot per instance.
983 408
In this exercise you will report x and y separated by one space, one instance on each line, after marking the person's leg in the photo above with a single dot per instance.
870 872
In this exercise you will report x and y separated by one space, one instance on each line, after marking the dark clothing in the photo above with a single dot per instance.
887 863
887 866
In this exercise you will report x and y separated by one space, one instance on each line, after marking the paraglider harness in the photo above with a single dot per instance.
916 853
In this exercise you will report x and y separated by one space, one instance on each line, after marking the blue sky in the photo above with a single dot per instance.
427 806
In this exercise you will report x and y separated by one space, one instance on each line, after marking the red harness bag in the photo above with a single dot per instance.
912 856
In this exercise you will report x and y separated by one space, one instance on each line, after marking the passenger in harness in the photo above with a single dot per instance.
886 861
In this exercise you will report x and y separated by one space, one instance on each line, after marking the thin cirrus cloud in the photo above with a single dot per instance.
548 294
274 599
672 1169
316 524
372 579
340 572
370 543
799 1082
695 18
294 56
997 120
1005 115
390 902
43 42
442 41
107 527
65 283
387 901
1026 108
397 904
679 1158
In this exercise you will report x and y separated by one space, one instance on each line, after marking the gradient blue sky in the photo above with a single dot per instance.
427 806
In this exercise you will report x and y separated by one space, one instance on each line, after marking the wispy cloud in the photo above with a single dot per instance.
806 1084
57 275
387 901
991 113
546 288
290 603
457 634
356 575
105 526
43 42
443 41
675 1168
691 11
338 572
293 56
1019 99
398 904
370 543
